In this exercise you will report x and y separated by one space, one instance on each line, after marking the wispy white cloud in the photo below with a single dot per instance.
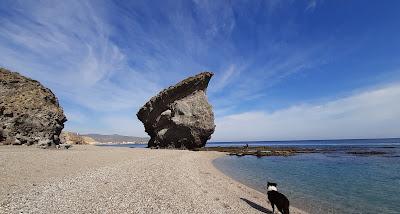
68 47
76 116
75 55
105 59
251 80
370 114
218 17
311 5
224 78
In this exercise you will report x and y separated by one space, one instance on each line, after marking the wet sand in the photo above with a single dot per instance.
92 179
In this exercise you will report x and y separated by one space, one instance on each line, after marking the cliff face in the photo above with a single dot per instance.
29 112
180 116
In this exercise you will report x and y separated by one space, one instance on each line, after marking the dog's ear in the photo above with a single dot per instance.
272 184
268 183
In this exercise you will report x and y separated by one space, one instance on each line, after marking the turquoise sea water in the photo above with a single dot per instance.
335 182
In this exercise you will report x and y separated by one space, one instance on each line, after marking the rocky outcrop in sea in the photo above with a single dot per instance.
179 116
29 112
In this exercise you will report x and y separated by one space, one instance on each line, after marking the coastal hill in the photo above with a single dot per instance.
117 139
76 138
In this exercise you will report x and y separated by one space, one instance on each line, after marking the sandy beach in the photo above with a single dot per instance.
92 179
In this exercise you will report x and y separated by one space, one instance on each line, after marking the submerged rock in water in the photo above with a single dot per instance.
29 112
180 116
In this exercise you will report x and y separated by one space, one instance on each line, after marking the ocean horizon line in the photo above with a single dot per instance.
273 141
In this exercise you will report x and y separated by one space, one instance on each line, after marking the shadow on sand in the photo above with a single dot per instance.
256 206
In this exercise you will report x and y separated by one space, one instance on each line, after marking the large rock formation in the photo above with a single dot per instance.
180 116
29 112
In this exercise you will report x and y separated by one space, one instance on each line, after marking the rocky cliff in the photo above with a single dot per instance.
29 112
179 116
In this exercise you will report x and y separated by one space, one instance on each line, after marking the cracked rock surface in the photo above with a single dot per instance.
29 112
180 116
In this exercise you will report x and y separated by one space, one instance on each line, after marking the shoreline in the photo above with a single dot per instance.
113 179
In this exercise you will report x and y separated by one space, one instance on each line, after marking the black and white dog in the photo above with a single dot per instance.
277 199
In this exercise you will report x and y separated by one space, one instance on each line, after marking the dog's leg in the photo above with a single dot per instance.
273 208
286 210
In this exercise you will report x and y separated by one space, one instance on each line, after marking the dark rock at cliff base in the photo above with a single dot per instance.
180 116
29 112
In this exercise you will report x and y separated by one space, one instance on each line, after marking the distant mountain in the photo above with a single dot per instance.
117 139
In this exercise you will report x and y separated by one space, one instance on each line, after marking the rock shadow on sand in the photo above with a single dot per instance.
256 206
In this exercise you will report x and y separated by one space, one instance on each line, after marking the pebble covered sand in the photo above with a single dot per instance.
93 179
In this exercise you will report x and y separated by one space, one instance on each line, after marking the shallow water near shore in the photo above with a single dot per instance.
334 182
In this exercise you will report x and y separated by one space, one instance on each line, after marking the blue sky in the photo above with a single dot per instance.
283 69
